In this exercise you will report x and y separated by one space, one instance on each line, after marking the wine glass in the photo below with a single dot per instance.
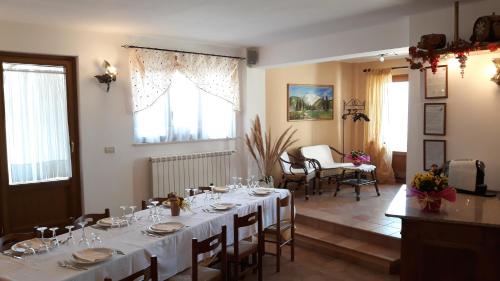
29 250
54 238
240 183
70 234
133 218
124 215
96 240
84 241
42 231
156 212
234 182
151 215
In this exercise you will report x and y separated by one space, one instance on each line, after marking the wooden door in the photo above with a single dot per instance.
39 151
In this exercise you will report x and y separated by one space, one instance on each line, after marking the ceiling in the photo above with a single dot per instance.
232 22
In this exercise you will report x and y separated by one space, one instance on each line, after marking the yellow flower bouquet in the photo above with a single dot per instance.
430 189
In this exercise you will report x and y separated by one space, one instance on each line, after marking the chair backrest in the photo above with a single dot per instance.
322 153
285 165
8 240
144 204
285 202
208 245
244 221
148 273
92 218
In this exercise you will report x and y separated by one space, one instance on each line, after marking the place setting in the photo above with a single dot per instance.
162 229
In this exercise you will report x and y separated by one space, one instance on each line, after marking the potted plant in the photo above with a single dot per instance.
430 188
358 157
177 203
266 151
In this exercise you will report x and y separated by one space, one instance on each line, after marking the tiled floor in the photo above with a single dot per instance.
312 266
367 214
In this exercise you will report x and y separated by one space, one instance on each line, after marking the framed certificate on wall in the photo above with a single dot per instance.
435 119
436 84
434 153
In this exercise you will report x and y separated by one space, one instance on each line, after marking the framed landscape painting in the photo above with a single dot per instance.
309 102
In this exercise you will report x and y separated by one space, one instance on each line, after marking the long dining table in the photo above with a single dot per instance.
173 250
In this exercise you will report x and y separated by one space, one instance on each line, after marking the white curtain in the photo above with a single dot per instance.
36 118
183 97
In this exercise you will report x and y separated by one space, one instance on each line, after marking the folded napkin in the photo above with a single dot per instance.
35 243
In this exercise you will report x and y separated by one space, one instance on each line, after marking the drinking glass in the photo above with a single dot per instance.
133 218
124 215
54 238
96 240
234 182
156 212
240 183
42 231
151 216
70 234
84 241
29 250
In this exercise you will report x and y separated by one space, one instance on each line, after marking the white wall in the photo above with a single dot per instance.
473 101
390 35
111 180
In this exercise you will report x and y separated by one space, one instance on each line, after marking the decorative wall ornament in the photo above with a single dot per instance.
109 76
431 48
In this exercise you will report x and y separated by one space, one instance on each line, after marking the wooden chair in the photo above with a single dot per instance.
8 240
283 232
148 273
92 218
202 273
242 250
144 204
299 171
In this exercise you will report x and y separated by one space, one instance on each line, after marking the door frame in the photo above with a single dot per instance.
71 65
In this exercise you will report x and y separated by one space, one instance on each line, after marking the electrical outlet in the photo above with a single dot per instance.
109 149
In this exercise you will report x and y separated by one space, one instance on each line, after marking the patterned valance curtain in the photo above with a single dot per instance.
152 72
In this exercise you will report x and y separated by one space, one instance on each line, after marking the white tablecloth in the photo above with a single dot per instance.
173 251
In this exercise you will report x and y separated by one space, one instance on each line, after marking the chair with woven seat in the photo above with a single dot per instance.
243 250
148 273
203 273
282 233
92 218
296 170
8 240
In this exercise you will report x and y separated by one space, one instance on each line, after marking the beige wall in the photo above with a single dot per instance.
309 132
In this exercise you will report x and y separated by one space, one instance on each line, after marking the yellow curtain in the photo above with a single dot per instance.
377 85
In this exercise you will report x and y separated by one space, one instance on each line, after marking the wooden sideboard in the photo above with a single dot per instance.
462 243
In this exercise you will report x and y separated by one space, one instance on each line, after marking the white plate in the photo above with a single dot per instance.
93 255
262 191
223 206
35 243
220 189
108 222
166 227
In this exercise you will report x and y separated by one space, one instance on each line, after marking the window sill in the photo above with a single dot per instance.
180 142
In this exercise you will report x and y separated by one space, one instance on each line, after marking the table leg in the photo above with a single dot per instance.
338 183
357 186
374 177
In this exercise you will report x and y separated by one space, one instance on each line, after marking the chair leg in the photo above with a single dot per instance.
306 189
292 250
278 252
237 271
374 177
259 265
255 261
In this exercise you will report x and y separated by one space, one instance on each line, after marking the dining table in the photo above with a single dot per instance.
135 246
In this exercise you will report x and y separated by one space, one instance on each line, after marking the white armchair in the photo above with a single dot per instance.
296 170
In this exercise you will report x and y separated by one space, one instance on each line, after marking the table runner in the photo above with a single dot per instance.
173 251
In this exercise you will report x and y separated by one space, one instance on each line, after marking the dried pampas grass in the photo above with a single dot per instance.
265 152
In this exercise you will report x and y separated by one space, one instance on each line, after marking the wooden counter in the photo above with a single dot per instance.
462 242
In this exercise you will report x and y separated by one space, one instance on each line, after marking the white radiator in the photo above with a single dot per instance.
178 172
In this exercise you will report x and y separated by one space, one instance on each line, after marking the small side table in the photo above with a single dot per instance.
357 181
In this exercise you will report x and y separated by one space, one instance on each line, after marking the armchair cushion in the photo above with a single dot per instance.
321 153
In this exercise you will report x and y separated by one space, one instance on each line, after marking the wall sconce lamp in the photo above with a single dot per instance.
496 77
109 76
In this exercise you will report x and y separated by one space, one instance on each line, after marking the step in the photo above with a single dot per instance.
366 253
348 229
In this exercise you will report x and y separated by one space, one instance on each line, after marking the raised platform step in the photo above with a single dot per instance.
374 250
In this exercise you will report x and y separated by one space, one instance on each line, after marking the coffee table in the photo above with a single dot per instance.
357 182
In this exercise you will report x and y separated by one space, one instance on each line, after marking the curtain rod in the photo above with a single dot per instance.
184 52
396 67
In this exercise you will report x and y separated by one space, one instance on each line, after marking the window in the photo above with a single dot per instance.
395 115
36 123
183 97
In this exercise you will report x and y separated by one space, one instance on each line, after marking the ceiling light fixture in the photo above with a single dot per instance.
381 59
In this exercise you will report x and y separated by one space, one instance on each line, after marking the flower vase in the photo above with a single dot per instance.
175 209
357 162
430 204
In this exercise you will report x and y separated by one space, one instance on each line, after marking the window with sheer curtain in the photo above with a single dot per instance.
183 97
395 116
36 123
